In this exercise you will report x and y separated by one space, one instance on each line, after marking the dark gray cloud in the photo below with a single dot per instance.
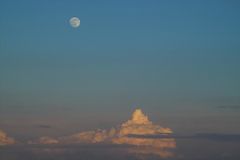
218 137
208 136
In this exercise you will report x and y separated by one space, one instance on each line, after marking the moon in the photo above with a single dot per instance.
74 22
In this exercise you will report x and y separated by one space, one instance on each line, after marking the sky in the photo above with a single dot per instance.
177 60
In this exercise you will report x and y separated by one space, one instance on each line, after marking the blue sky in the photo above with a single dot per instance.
163 56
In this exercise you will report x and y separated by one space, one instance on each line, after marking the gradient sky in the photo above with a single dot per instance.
177 60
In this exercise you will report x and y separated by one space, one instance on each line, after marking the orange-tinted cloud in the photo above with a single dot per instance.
5 139
44 140
96 136
138 125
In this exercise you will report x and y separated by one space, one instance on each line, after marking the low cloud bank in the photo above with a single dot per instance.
138 125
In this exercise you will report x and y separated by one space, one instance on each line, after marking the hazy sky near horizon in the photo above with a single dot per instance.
171 58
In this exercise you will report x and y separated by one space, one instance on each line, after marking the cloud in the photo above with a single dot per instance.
208 136
44 140
133 132
5 139
166 143
86 137
139 124
94 136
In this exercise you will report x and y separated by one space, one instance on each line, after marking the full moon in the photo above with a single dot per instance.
74 22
